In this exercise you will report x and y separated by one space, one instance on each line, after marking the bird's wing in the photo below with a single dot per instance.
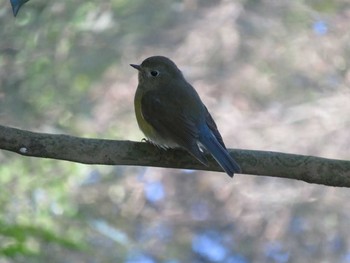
168 118
212 126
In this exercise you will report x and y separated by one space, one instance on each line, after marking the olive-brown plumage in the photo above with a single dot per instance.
171 114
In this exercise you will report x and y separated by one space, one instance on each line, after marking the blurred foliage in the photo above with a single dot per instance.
275 76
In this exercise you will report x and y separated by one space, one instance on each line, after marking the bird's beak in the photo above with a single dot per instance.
138 67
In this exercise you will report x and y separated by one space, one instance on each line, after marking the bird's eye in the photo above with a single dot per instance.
154 73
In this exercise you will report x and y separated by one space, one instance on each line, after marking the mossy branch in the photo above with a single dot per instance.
110 152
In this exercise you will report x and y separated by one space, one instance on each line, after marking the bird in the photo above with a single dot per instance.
171 114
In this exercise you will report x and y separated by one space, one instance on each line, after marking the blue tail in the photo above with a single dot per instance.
220 153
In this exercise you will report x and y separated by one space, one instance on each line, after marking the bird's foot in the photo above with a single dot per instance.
145 140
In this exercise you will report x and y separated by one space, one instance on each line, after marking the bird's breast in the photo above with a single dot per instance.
148 130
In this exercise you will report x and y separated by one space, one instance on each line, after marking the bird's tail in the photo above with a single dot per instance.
220 154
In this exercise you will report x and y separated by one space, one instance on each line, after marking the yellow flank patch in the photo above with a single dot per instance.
145 127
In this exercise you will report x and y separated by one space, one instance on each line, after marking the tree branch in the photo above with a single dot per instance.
110 152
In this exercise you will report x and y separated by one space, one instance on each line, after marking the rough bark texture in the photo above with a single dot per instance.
110 152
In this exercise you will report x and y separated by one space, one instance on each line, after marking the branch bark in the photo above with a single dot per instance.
111 152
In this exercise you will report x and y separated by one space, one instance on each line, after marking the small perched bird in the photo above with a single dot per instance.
171 114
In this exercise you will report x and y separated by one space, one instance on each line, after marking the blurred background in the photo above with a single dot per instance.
275 76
